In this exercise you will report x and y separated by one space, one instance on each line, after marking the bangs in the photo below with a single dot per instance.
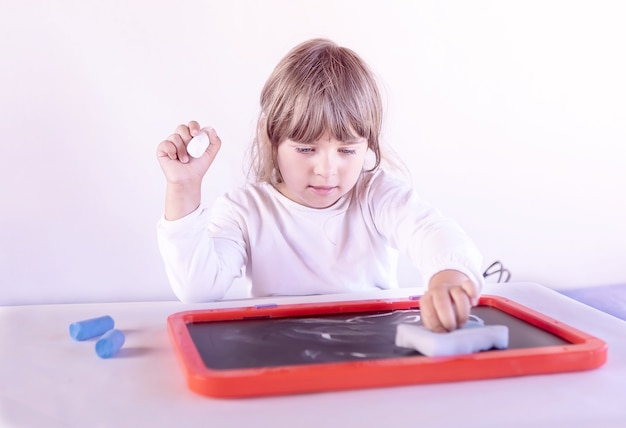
326 113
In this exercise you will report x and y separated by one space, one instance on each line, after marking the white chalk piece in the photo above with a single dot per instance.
456 342
198 144
86 329
109 343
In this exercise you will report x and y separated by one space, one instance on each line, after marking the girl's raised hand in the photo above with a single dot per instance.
180 168
184 173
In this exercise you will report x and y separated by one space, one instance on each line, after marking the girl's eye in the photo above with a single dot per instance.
348 151
304 149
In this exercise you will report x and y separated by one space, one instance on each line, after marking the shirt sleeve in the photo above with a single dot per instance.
430 240
202 258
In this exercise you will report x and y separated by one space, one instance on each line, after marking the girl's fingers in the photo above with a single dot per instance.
446 308
184 133
166 148
461 305
193 127
471 290
216 144
442 302
429 315
436 311
181 147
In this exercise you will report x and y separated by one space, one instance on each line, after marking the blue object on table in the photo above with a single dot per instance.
82 330
109 343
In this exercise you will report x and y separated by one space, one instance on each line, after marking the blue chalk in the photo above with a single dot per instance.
109 343
81 330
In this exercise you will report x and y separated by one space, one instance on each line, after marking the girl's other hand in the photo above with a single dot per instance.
447 303
180 168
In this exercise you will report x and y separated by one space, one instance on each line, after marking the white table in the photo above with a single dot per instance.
49 380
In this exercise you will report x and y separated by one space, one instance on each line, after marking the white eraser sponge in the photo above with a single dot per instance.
198 144
461 341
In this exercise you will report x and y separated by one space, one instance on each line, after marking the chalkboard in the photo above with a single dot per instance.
254 343
284 349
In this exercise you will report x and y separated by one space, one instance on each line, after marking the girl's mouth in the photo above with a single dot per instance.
323 190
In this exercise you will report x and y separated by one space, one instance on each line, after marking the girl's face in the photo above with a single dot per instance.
317 174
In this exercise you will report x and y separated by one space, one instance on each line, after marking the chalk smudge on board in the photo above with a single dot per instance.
346 336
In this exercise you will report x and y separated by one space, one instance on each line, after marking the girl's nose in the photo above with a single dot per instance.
325 164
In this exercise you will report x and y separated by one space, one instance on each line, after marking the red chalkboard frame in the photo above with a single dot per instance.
581 352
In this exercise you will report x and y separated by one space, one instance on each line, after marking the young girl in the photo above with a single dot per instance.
322 216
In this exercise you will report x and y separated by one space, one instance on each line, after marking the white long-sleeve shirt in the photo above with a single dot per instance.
289 249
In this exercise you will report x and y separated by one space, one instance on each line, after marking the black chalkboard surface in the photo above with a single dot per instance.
254 343
312 347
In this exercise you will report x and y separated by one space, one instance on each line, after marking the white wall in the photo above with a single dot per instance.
510 115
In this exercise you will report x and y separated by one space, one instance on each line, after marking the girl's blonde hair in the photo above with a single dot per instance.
317 88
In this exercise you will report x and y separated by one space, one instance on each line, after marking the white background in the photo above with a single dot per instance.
511 117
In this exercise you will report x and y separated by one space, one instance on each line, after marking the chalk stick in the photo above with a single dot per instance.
86 329
109 343
456 342
198 144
